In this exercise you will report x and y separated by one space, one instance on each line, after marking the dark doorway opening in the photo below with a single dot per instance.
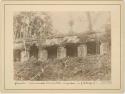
34 51
52 52
93 48
17 55
71 50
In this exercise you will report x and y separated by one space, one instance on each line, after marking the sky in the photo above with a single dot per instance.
60 21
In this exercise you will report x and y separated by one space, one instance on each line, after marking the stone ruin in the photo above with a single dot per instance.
59 47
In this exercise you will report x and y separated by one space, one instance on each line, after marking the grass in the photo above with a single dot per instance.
90 68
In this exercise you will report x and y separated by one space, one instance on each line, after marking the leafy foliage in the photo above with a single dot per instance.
66 69
32 24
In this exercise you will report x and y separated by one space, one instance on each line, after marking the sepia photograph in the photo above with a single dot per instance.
62 46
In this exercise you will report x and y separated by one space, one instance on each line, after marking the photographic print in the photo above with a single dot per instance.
62 46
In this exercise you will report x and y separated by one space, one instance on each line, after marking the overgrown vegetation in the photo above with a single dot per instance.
66 69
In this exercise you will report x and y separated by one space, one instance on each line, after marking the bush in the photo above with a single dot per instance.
76 68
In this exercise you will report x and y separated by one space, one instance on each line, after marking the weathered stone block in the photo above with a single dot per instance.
104 48
43 54
61 52
24 56
82 50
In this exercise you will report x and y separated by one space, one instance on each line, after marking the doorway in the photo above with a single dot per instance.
91 47
52 52
34 51
71 50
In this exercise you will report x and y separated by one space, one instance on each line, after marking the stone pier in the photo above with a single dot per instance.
24 55
43 54
103 48
61 52
82 50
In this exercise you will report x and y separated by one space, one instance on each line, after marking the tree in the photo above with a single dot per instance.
28 24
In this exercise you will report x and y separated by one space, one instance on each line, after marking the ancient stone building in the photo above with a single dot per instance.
60 47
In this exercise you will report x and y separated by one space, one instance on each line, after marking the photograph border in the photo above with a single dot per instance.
62 4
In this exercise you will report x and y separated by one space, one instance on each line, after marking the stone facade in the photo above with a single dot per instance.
43 52
61 52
